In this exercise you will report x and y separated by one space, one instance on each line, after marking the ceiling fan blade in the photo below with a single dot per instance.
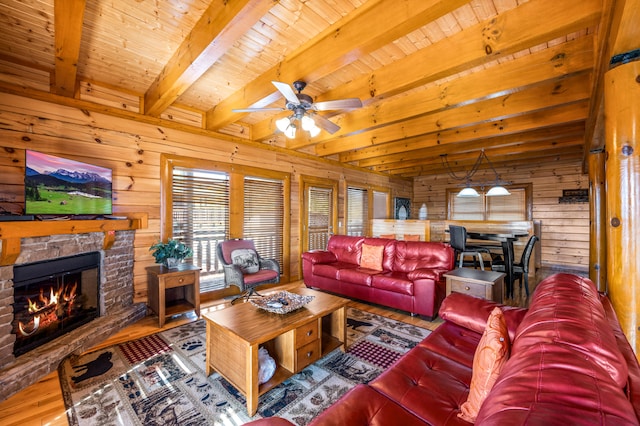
286 91
338 104
325 124
256 109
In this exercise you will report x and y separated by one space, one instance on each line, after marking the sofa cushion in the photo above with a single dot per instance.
566 309
364 406
346 248
356 276
412 255
551 384
331 270
489 358
472 313
427 384
371 257
389 252
393 281
454 342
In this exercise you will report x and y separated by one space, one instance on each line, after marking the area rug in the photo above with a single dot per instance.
161 380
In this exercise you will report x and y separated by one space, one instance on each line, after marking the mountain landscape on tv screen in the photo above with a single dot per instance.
66 192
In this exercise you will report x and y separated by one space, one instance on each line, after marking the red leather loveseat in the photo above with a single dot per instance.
407 275
569 364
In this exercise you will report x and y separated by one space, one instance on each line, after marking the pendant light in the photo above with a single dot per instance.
495 191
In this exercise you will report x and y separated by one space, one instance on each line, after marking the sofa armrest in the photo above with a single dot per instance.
422 273
319 256
472 313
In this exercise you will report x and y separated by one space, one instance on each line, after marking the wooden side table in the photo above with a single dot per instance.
173 291
486 284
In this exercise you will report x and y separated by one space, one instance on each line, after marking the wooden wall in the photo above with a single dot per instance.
132 148
564 228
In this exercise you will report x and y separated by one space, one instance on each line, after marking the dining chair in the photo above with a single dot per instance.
458 240
244 268
520 269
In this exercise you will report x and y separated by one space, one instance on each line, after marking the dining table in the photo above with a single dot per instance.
506 243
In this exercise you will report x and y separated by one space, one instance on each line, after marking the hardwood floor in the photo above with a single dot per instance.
42 404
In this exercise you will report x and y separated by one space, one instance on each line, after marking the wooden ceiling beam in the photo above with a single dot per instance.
570 90
554 63
369 28
575 130
214 33
505 34
68 18
466 160
573 152
572 115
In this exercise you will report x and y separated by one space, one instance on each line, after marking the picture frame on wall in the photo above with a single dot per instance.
402 208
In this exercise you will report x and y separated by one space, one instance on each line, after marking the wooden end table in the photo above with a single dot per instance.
486 284
173 291
293 340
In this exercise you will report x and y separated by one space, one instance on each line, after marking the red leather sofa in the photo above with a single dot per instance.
570 364
410 277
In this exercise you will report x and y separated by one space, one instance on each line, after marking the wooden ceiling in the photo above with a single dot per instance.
513 77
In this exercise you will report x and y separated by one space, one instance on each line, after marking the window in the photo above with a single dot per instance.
200 216
380 204
320 222
516 206
263 220
357 211
204 202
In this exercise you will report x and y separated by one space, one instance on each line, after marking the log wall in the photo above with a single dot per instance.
132 148
564 228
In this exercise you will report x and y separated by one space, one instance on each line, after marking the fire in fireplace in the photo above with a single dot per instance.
54 297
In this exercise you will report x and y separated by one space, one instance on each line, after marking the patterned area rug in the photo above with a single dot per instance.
160 379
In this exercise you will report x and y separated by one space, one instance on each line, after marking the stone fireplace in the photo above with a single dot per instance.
107 308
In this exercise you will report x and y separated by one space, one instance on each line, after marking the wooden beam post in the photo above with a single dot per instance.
597 221
622 142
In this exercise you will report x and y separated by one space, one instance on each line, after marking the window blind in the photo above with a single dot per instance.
357 211
200 213
320 209
510 207
263 216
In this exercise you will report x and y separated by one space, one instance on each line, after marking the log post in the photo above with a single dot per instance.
597 219
622 133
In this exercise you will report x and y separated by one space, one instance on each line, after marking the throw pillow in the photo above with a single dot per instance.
411 237
371 257
388 236
491 354
246 259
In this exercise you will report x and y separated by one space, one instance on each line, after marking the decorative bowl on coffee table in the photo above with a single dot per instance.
282 302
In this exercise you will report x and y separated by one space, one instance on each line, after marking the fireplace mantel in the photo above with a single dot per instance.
12 232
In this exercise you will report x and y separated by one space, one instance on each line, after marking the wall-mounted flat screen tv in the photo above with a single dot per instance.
60 186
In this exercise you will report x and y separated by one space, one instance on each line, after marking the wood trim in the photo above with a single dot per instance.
12 232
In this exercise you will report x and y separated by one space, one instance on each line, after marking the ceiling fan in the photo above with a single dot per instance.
304 109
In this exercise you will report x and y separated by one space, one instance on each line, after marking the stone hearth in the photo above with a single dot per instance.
117 309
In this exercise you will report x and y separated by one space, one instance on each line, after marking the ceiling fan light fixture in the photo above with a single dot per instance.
283 123
290 131
307 123
497 191
468 192
314 131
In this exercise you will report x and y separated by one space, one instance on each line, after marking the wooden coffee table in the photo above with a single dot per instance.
294 340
